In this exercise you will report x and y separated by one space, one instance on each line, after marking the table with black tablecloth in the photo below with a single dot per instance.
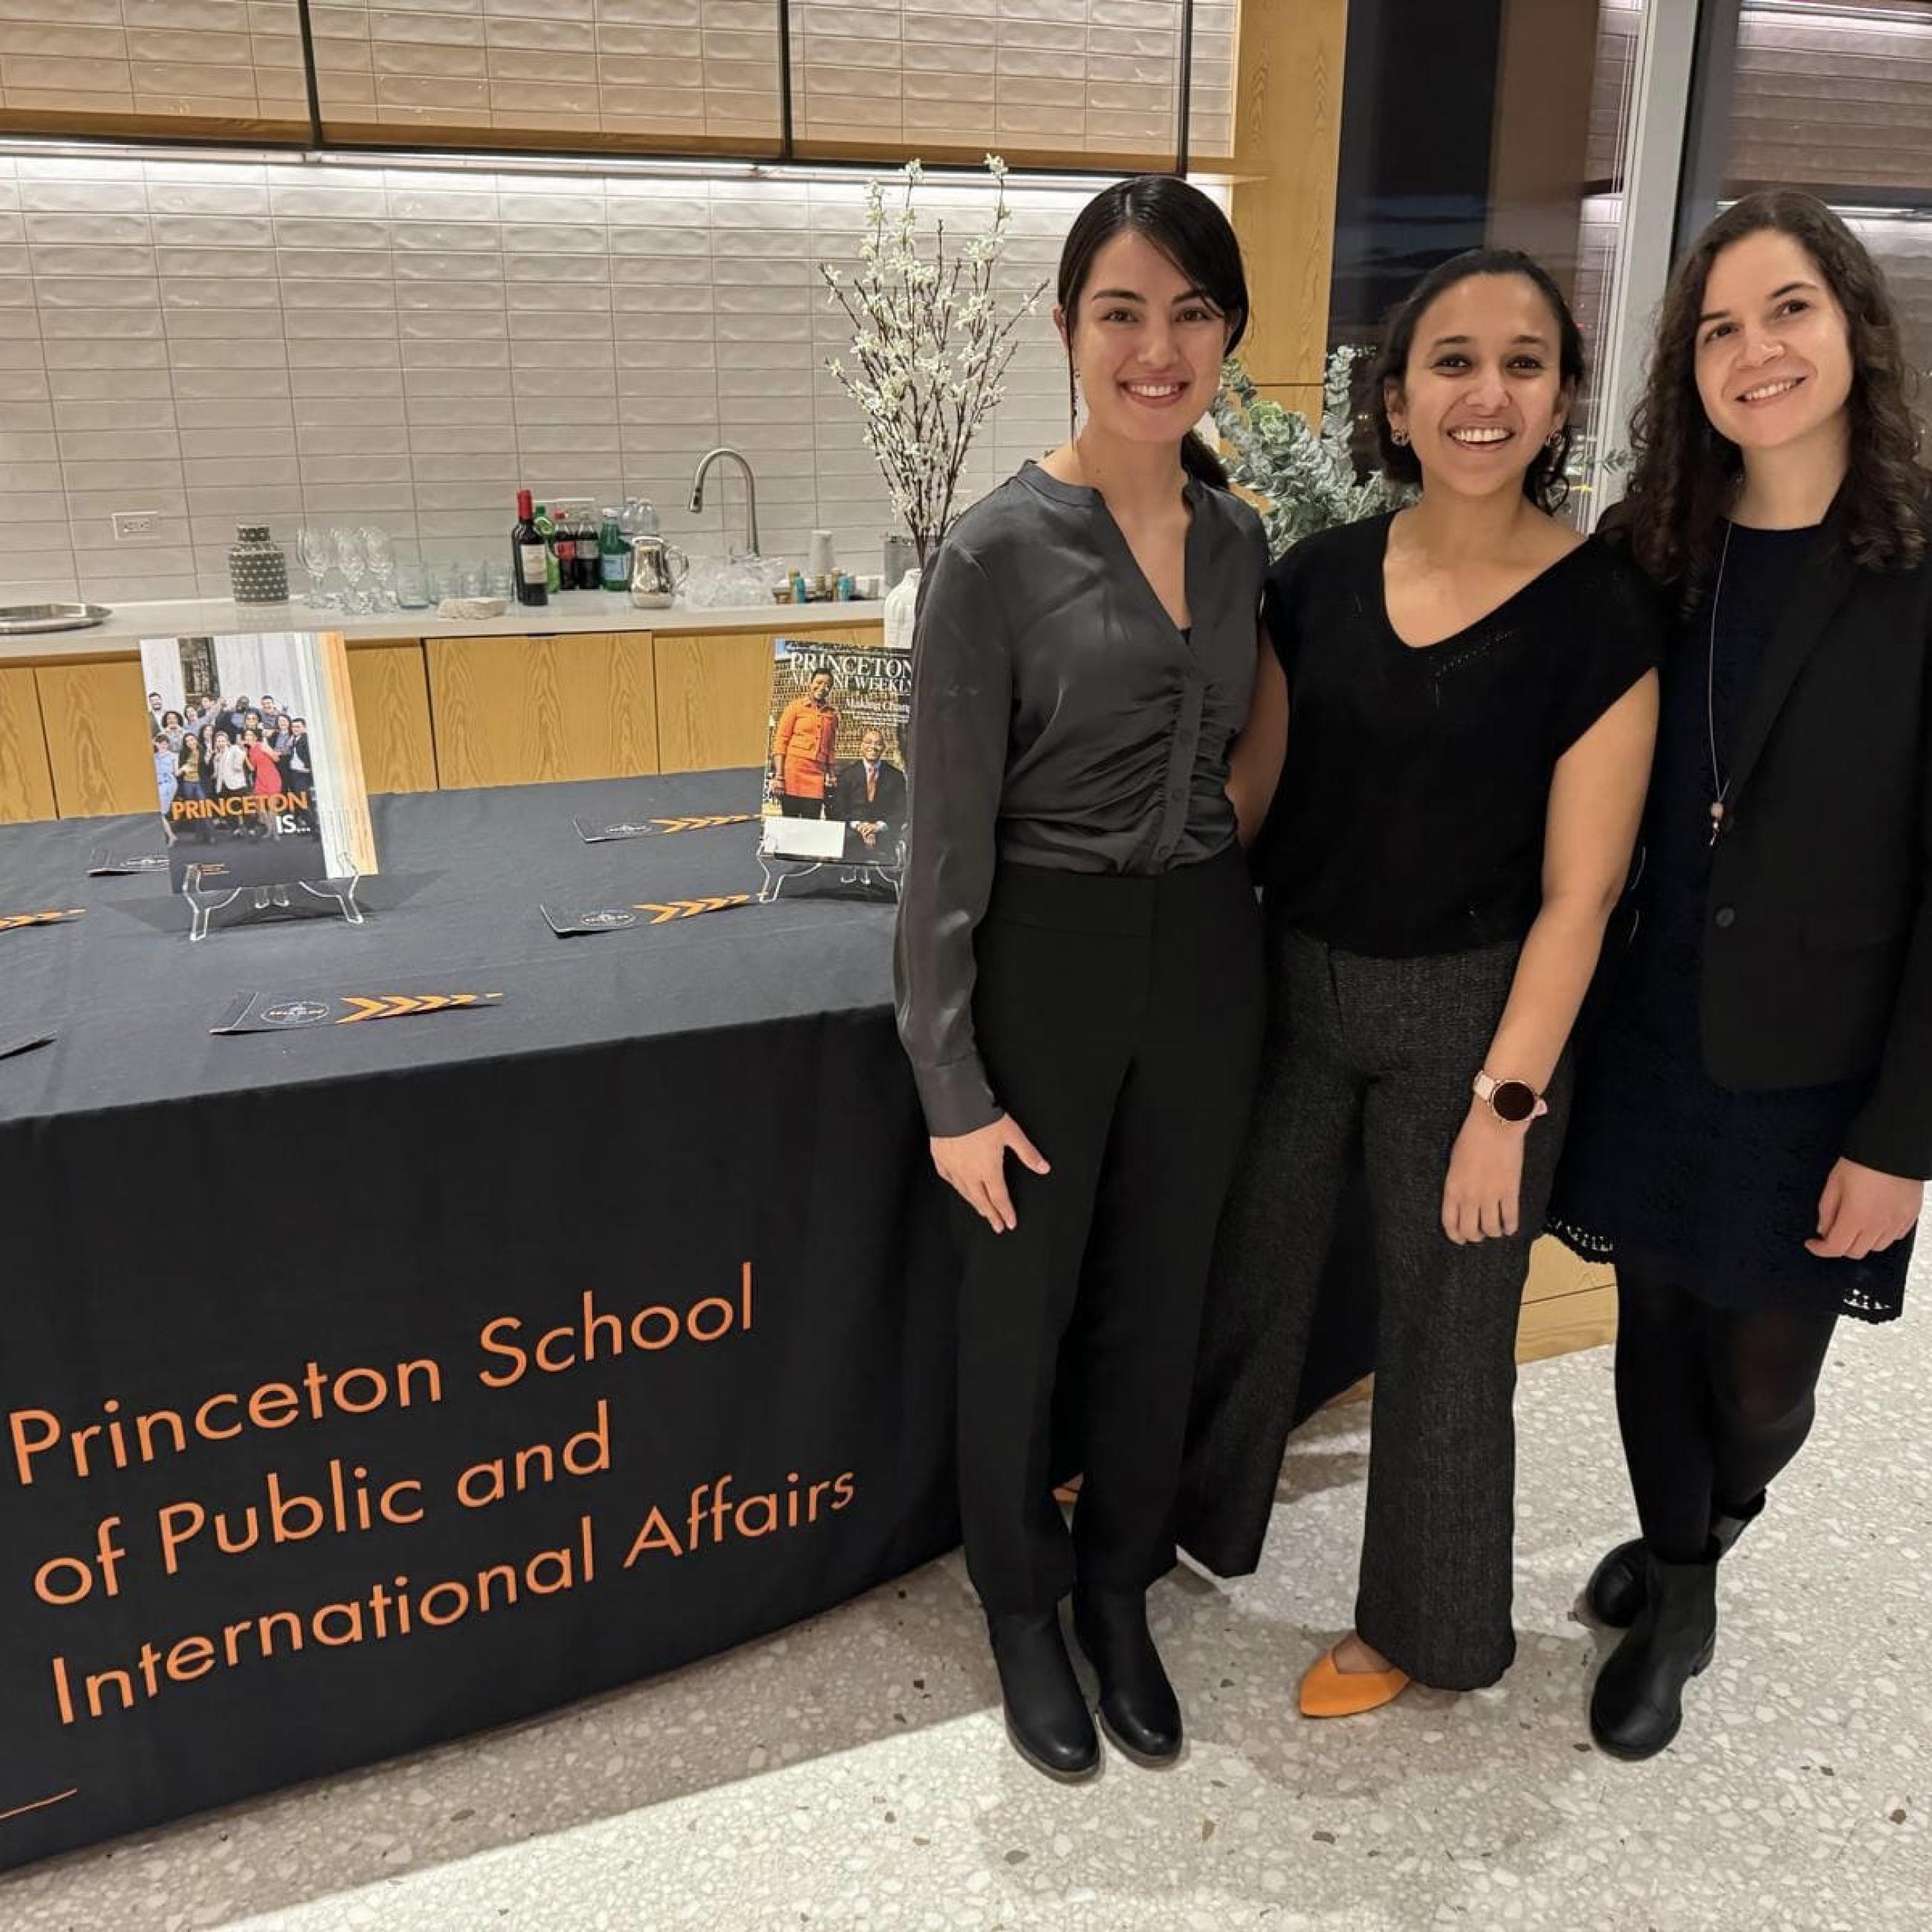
442 1369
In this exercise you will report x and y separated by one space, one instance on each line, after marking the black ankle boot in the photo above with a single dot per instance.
1047 1717
1138 1709
1615 1592
1637 1705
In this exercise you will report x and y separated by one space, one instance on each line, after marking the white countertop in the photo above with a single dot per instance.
575 611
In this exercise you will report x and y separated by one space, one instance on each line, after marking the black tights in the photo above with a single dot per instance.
1712 1403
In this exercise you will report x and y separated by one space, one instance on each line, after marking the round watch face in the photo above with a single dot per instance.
1514 1101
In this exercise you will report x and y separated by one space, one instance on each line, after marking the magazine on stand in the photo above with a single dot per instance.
257 765
835 753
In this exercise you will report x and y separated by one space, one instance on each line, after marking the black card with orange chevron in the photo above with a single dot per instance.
16 922
286 1012
592 833
568 922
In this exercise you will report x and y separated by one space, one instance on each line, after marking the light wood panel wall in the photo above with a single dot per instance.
1288 131
392 716
531 710
26 784
714 693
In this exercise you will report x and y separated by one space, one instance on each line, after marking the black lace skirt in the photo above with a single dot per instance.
1712 1191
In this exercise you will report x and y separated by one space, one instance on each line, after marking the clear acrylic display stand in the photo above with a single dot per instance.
203 906
882 874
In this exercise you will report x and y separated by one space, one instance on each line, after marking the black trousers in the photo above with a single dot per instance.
1120 1021
800 807
1378 1055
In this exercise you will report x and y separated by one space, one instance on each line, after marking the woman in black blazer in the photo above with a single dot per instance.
1754 1120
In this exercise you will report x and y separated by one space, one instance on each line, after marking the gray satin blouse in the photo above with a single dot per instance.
1060 719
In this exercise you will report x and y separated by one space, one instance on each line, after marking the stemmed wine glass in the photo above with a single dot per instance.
315 558
348 561
380 555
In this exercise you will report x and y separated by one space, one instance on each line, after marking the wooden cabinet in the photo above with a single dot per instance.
95 717
392 718
529 710
26 785
432 712
714 692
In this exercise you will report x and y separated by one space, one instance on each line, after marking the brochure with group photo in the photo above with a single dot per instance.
835 757
257 765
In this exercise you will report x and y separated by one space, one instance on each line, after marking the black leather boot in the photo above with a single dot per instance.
1047 1717
1637 1705
1139 1710
1615 1592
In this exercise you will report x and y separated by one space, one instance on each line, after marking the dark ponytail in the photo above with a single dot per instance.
1195 236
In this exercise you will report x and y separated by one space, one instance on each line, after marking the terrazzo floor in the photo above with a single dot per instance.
853 1774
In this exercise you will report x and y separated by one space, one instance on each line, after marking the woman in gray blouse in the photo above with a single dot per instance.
1078 964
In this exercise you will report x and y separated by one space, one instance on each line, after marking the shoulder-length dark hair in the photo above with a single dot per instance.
1194 235
1683 471
1543 482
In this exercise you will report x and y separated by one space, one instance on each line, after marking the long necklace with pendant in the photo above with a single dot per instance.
1720 785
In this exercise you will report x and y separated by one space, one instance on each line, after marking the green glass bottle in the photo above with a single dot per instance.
546 530
614 554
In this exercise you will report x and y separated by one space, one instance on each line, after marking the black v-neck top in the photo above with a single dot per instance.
1410 813
1059 718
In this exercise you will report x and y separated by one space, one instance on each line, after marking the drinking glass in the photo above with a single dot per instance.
412 587
314 545
348 560
380 555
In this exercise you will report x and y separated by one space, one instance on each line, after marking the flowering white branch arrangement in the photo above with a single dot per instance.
931 340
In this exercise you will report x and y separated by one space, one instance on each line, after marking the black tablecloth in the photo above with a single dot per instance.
295 1284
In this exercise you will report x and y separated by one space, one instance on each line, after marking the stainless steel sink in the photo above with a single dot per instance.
17 620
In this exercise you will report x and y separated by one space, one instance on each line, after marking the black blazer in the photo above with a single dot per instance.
1818 944
848 795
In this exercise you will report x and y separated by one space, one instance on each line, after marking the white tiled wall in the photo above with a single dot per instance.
1097 75
218 341
1074 75
206 59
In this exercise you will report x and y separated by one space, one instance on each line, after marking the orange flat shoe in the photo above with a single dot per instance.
1329 1691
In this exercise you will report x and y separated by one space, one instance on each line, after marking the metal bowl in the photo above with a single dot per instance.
18 619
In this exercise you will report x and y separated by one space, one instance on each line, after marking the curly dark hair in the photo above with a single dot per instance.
1684 472
1543 482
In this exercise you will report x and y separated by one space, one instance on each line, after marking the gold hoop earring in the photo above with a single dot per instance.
1554 440
1400 437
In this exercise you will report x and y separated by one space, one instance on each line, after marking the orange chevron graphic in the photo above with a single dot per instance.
690 908
8 921
700 824
397 1006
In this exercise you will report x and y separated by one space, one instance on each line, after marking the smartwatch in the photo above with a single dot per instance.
1515 1103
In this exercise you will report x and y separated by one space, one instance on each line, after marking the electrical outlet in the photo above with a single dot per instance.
129 524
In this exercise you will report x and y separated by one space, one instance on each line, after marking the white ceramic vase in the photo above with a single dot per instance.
902 601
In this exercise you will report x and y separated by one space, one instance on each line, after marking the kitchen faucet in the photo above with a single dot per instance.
751 491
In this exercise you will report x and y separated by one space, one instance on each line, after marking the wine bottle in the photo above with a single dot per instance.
590 551
529 556
565 546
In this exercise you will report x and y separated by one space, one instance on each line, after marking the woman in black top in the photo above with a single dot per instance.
1471 703
1078 961
1756 1111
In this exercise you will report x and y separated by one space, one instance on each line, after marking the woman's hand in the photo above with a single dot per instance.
1484 1190
974 1166
1862 1211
